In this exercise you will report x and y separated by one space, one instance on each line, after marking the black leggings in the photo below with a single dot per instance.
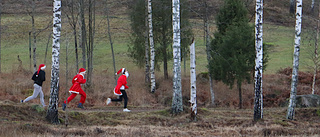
124 96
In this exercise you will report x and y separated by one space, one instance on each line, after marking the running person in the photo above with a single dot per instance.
76 89
38 77
119 90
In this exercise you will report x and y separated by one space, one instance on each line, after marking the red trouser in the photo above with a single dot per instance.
73 95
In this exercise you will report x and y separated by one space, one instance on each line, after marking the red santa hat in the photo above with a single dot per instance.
82 70
122 70
41 67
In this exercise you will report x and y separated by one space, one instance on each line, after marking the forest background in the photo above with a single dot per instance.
278 34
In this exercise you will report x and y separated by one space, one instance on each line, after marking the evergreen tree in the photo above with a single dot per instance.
233 48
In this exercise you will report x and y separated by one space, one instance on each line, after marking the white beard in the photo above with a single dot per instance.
126 74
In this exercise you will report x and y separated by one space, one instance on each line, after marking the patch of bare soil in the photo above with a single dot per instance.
29 120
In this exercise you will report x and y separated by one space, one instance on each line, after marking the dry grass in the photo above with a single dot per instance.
151 116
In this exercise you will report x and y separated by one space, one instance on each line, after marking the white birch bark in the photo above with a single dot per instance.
295 68
152 50
177 95
193 80
146 46
52 113
258 100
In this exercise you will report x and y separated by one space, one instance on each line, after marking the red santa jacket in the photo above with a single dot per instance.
122 82
76 81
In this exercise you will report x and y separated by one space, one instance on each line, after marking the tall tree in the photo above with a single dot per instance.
152 50
232 50
83 42
111 43
147 48
258 100
177 105
193 82
295 68
291 9
91 32
73 21
207 43
315 57
52 112
0 33
162 32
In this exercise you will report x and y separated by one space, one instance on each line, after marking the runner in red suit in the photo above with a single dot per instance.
76 89
119 90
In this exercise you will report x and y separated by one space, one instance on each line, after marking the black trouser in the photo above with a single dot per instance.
124 96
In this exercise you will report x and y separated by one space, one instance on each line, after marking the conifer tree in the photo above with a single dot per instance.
233 48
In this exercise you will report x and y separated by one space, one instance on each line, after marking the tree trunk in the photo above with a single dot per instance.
45 55
292 3
258 99
34 37
177 105
240 95
0 34
193 80
312 6
83 34
90 44
30 55
111 43
165 59
316 58
152 50
146 47
207 43
74 27
52 112
295 68
66 120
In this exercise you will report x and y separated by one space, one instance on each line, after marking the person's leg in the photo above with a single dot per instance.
36 91
42 97
83 96
125 97
117 99
71 97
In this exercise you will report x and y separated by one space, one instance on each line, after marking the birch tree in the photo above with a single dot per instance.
193 87
258 100
146 47
152 50
177 106
52 112
295 68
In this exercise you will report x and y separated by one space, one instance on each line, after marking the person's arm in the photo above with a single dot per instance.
34 76
81 80
43 76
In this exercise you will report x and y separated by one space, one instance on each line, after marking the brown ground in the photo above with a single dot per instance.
29 120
